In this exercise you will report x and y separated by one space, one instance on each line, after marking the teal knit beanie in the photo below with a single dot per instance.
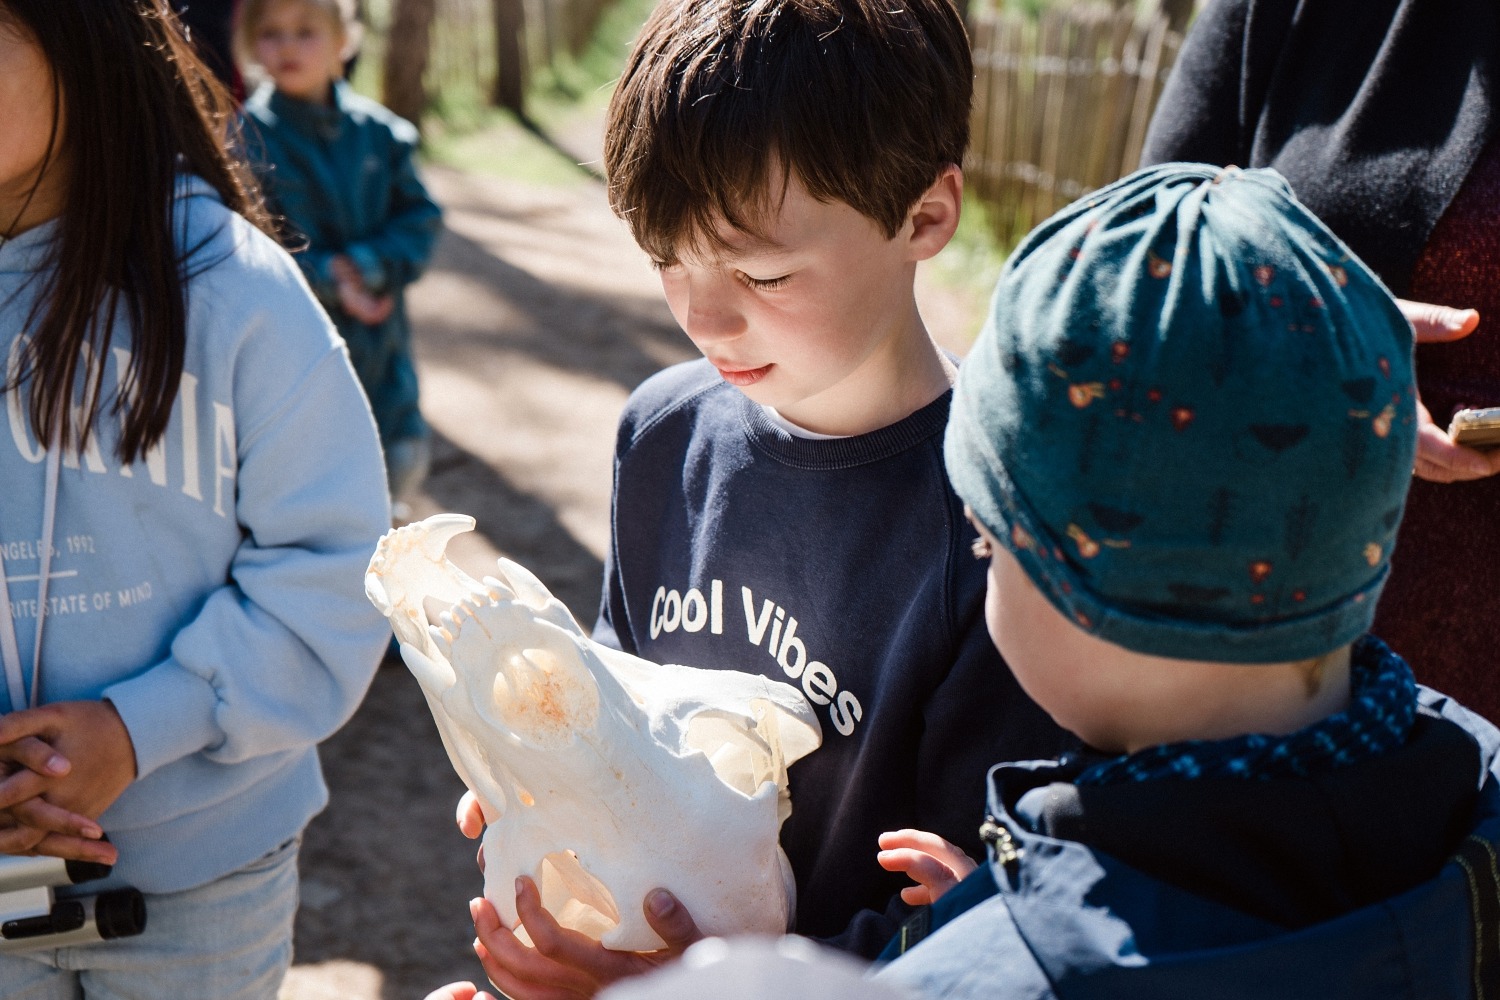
1191 417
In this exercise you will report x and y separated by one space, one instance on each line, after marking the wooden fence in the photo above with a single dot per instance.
1061 103
482 52
1062 95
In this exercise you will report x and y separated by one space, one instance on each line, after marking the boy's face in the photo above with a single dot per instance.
301 47
817 320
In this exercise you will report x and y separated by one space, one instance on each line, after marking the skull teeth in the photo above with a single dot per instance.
497 590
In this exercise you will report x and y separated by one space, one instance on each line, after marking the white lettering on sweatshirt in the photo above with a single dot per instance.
183 435
768 627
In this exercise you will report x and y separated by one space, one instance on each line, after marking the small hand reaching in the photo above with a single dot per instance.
458 991
927 859
560 964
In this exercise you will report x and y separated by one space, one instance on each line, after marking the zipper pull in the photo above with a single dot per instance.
994 834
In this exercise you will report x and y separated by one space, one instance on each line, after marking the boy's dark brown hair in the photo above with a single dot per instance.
865 101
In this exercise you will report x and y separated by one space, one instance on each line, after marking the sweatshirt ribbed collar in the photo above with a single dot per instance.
846 452
26 252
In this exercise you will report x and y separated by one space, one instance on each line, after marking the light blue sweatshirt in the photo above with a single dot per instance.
212 591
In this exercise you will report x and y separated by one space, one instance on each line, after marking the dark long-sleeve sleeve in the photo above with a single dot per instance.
1373 110
1202 115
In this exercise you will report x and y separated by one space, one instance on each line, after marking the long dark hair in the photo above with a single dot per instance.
137 107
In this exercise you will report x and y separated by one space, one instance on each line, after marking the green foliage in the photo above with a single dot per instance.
497 143
974 251
566 97
965 272
1031 8
589 78
465 132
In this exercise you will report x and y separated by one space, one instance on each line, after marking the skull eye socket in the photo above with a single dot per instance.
574 896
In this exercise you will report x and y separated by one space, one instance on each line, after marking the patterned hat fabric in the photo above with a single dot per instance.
1191 416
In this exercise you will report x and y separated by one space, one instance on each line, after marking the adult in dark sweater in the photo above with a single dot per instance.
1381 115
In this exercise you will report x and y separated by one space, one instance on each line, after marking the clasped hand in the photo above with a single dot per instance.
357 300
560 964
63 764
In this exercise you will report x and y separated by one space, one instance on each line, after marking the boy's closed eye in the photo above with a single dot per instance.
748 280
762 284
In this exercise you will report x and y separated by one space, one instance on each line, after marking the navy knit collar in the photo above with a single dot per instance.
1382 705
926 424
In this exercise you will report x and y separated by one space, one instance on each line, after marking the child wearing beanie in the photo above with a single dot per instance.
1185 436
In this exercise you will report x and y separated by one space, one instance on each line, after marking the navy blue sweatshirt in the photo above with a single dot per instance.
844 567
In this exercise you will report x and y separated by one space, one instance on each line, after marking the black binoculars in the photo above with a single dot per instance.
32 917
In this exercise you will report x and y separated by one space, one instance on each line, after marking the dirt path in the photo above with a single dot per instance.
538 317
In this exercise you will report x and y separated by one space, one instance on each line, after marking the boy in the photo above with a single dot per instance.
341 171
1186 436
781 506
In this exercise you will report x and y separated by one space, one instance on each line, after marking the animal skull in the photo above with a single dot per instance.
601 776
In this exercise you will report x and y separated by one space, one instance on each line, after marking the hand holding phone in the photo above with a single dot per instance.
1476 428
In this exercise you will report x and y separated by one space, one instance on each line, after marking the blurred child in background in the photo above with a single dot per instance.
340 171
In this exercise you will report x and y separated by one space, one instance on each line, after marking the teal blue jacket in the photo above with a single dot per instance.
343 179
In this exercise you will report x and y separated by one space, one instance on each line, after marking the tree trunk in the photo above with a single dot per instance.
406 58
510 56
1179 13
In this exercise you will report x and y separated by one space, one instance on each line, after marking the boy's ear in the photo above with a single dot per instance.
934 218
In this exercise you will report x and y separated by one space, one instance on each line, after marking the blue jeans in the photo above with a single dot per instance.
230 940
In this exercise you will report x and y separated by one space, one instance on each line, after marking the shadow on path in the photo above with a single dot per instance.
620 338
522 526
